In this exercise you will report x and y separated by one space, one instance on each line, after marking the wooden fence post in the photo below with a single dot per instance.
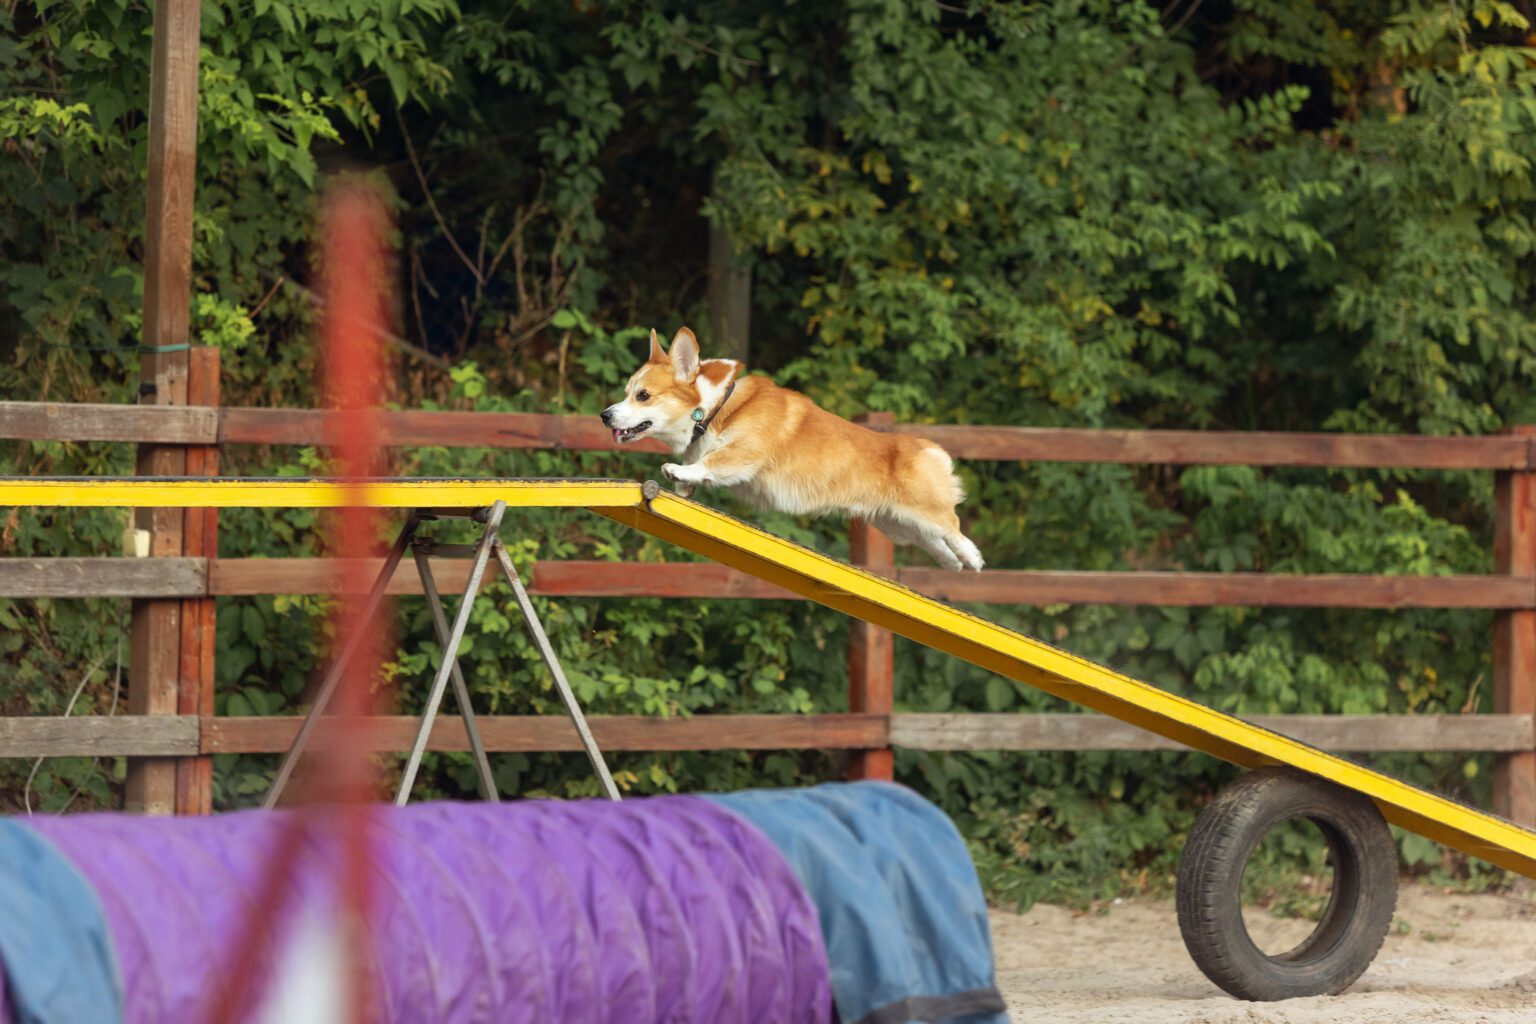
871 649
1514 634
200 539
154 668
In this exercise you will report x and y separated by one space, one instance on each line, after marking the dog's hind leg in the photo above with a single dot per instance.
927 509
905 526
900 532
904 530
937 546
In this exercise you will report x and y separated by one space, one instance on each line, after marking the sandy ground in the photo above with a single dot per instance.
1448 958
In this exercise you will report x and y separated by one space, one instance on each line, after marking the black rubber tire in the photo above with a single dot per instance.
1360 907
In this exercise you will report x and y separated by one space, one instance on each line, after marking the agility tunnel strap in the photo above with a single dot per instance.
677 909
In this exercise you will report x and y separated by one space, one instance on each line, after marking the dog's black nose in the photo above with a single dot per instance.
607 417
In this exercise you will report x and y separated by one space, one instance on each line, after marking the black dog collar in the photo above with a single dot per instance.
702 425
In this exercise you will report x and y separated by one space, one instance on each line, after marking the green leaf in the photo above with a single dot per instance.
1000 694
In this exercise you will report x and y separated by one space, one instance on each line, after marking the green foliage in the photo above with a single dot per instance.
1267 214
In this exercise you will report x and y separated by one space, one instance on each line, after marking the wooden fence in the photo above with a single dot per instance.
171 732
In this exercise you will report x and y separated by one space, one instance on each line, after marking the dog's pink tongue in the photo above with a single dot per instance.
618 437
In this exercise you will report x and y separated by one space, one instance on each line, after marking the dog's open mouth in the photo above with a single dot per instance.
630 433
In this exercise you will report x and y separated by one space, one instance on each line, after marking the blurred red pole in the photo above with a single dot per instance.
354 233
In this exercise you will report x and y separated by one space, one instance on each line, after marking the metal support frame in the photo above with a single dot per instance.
451 639
572 707
450 642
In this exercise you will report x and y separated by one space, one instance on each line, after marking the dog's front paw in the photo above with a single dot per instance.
683 478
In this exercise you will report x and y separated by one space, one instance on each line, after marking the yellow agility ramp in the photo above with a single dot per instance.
850 590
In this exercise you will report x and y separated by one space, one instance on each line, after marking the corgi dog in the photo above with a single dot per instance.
777 449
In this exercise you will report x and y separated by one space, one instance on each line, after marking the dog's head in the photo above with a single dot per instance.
670 393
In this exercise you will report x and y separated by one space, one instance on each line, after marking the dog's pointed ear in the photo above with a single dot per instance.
658 354
685 355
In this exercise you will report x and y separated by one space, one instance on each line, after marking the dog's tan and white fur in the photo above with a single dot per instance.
777 449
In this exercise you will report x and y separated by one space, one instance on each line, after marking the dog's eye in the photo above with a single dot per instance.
642 396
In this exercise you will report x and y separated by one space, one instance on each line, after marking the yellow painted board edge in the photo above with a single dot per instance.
152 492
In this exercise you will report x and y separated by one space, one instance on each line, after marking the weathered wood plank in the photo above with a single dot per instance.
1019 586
650 579
56 421
184 577
99 736
531 733
1031 444
1225 448
429 427
1350 733
178 735
409 427
1010 586
103 577
230 577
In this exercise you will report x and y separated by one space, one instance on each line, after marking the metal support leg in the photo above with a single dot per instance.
460 690
451 651
552 662
328 688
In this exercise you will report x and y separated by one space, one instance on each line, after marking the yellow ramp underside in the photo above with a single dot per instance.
855 592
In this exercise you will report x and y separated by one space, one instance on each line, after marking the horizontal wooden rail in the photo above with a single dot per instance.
55 421
1228 448
99 736
1025 444
229 577
226 577
103 577
1035 587
1339 733
584 579
533 733
184 735
413 427
422 427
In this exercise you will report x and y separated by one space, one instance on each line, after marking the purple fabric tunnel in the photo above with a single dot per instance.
662 911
